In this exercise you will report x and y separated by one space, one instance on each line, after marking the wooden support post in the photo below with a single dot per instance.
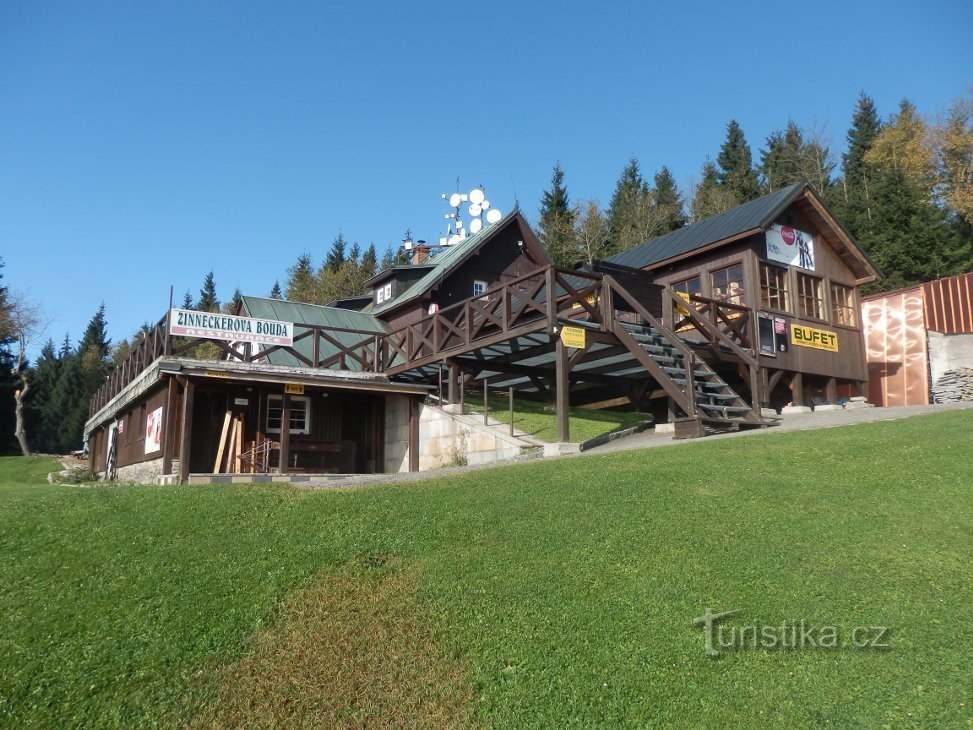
797 389
563 383
413 434
486 403
285 433
453 394
831 391
187 430
511 397
169 426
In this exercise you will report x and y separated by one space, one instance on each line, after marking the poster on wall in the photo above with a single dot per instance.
790 246
153 431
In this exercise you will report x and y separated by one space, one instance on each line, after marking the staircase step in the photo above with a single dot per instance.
682 371
724 409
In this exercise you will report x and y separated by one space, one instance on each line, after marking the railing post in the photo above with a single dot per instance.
486 402
315 347
550 282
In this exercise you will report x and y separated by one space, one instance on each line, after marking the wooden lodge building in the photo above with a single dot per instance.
705 326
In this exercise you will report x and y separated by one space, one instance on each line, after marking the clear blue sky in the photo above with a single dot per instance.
144 143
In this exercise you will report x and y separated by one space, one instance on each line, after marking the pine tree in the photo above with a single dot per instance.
556 221
336 256
710 198
275 292
629 214
667 203
388 260
207 295
233 306
853 204
187 301
735 166
369 262
301 283
42 419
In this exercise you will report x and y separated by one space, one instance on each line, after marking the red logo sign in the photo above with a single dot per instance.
787 234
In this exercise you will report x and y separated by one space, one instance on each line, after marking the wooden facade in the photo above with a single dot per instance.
793 373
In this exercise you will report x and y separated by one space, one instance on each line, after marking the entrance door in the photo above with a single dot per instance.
209 411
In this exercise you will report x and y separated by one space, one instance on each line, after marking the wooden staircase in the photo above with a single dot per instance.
718 407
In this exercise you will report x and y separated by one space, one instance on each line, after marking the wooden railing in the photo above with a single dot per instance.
542 300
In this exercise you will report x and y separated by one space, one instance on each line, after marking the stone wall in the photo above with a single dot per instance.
145 472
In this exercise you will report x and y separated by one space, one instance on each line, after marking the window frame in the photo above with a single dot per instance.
766 290
848 307
483 288
271 397
699 286
817 298
739 299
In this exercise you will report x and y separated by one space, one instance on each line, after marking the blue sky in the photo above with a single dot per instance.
143 144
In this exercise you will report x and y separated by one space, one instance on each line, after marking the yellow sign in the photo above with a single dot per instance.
294 388
573 337
216 374
811 337
591 299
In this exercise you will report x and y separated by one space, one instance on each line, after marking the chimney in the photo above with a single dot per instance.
419 254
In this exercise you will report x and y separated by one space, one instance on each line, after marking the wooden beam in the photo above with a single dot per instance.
285 433
563 384
222 442
169 426
187 429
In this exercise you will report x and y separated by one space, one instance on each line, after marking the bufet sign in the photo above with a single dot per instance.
790 246
229 328
813 337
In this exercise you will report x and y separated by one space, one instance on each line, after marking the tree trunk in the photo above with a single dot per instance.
19 395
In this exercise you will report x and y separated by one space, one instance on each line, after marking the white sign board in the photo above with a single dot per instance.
153 431
790 246
226 327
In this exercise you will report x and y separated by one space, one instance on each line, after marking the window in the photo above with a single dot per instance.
773 287
300 421
479 287
843 305
809 302
140 433
383 293
728 284
688 287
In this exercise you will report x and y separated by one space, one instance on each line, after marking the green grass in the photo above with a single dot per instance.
539 420
565 589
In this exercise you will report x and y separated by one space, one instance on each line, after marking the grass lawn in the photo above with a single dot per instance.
556 594
539 420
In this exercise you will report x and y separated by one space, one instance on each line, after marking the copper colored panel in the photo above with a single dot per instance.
949 304
895 343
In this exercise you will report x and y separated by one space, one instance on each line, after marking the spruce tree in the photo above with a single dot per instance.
556 221
735 166
629 214
187 301
233 306
42 418
388 260
667 203
853 202
336 256
207 295
301 282
369 262
710 197
275 292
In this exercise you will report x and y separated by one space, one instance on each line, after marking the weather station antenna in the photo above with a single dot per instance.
470 213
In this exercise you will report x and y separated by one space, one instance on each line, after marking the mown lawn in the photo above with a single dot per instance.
539 420
556 594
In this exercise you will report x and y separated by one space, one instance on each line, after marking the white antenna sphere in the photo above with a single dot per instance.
464 197
476 196
476 225
453 239
493 215
455 200
485 204
475 210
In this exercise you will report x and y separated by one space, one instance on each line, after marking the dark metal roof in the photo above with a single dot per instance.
758 213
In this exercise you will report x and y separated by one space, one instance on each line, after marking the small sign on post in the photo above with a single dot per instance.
573 337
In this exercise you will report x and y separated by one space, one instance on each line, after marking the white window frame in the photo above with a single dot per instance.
482 285
294 399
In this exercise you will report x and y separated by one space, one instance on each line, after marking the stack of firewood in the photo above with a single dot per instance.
954 386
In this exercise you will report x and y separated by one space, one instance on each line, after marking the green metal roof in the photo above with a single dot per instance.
758 213
443 264
312 314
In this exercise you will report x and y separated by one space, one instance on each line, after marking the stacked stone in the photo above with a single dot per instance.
954 386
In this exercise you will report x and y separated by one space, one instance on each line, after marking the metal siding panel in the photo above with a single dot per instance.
896 350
